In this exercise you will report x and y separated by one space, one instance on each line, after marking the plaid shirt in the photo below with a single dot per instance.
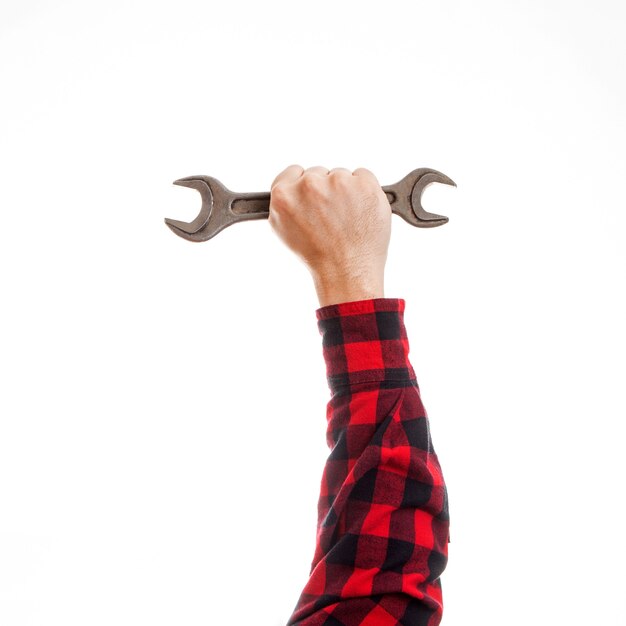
383 524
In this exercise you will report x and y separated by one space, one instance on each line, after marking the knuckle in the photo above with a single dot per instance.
277 190
278 194
342 180
309 180
285 172
366 177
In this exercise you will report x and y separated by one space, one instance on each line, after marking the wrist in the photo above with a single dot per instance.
348 289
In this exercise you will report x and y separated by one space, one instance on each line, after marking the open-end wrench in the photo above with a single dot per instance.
222 207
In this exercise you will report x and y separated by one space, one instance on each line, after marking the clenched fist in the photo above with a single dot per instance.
339 224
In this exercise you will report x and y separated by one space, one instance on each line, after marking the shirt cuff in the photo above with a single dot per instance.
365 341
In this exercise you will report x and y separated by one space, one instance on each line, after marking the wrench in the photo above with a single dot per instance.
222 207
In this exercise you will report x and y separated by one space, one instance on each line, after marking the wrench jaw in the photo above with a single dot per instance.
204 234
425 178
212 192
186 229
405 197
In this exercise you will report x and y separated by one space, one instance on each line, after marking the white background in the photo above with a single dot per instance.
163 402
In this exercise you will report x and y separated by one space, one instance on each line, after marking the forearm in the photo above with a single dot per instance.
383 514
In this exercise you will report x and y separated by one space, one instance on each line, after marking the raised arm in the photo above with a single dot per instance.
383 525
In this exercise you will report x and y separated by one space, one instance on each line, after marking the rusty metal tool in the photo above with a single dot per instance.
222 207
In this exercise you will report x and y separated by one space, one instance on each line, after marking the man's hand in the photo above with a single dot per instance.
339 224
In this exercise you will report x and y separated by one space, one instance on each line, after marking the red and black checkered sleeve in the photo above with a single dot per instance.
383 524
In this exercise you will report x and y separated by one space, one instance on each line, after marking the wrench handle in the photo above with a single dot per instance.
258 204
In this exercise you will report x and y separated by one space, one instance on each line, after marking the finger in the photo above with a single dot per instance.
340 170
365 173
288 175
317 169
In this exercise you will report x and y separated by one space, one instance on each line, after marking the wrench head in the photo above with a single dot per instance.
425 177
187 230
